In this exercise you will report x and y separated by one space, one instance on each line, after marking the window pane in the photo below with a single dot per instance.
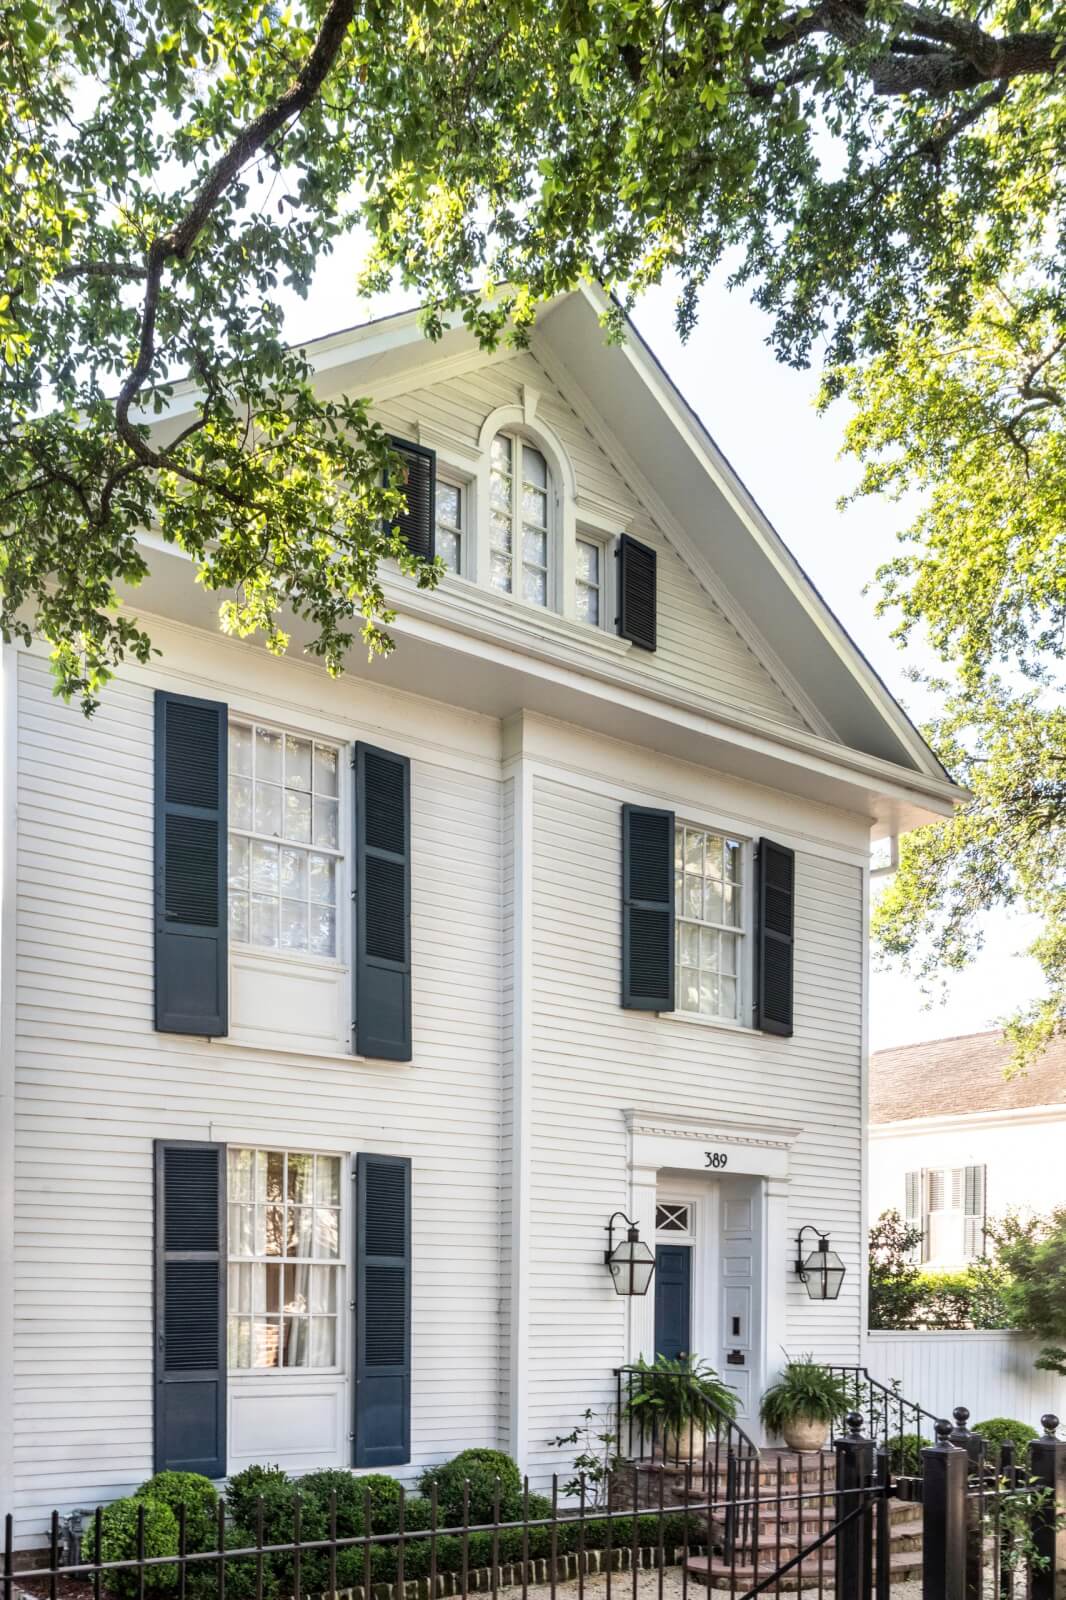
266 1340
327 1232
534 586
296 1342
712 855
727 992
293 925
268 755
297 1290
240 749
535 507
727 943
240 1342
275 1175
264 867
500 573
301 1231
693 903
732 861
324 1342
534 467
240 1289
238 917
501 452
268 809
588 561
712 901
265 921
326 819
240 802
238 862
294 873
535 547
240 1230
328 1180
241 1174
273 1231
731 905
321 873
301 1173
325 769
297 762
500 532
448 548
588 604
709 949
708 994
298 816
499 496
448 503
323 1289
689 989
322 931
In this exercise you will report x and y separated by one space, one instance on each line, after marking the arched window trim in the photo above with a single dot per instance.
514 421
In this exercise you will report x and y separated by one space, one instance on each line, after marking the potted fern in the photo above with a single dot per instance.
803 1402
680 1401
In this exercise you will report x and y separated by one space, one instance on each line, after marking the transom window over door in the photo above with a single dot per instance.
709 899
284 1259
519 493
284 840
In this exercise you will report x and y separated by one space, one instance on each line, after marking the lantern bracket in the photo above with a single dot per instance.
634 1233
823 1245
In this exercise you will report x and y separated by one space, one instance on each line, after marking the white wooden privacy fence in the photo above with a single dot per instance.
991 1373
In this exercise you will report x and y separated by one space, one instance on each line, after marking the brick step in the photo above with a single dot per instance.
713 1573
905 1536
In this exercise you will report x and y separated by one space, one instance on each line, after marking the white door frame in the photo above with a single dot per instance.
679 1146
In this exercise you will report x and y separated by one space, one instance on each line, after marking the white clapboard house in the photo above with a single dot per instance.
339 1017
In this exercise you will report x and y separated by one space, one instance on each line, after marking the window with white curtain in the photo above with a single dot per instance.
710 922
284 1259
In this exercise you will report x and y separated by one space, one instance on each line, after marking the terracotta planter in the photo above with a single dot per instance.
687 1445
804 1434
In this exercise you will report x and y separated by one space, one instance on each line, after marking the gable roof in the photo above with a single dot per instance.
955 1077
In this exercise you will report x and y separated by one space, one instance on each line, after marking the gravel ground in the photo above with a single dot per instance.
595 1588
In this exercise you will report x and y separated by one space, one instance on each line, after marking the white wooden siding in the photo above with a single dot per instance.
699 649
95 1085
592 1060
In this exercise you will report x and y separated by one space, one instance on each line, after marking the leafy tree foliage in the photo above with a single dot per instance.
895 1285
884 176
1033 1251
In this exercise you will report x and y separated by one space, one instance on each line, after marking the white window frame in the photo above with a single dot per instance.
465 529
519 441
742 930
339 1264
603 546
240 948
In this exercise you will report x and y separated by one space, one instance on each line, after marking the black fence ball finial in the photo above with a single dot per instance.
854 1422
943 1431
1050 1424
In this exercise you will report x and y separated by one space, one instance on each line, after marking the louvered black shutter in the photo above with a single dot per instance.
382 1423
382 968
647 909
190 1307
418 524
190 865
637 608
774 937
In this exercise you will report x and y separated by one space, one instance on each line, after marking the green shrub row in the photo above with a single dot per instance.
264 1503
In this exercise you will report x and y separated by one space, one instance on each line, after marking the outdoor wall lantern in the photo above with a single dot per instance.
630 1262
823 1270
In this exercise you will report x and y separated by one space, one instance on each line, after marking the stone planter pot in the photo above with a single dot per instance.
804 1434
685 1445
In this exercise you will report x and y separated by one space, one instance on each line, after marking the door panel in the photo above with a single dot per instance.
673 1300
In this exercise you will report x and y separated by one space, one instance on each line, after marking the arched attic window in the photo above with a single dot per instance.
521 507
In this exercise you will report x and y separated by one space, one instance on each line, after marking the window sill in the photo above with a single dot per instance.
305 1052
724 1023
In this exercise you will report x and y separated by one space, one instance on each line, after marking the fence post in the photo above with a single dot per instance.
973 1444
855 1465
943 1518
1047 1466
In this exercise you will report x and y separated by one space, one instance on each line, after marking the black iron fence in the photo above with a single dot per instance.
973 1524
890 1420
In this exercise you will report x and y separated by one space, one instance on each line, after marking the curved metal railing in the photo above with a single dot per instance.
887 1414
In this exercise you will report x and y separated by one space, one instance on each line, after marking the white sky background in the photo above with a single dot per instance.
762 416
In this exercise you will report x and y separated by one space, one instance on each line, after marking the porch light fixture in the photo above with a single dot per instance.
630 1262
823 1270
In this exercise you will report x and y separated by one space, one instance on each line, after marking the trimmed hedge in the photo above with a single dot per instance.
118 1542
905 1453
199 1497
487 1472
998 1431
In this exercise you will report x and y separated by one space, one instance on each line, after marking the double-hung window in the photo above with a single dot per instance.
709 906
589 582
520 511
284 840
451 524
284 1259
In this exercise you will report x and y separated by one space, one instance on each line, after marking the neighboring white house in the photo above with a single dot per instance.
309 1151
954 1141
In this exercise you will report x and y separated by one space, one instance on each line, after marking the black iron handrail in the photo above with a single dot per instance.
887 1413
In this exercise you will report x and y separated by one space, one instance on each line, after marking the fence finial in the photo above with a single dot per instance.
942 1429
961 1415
854 1424
1050 1424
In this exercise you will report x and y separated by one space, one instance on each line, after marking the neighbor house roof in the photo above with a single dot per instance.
953 1077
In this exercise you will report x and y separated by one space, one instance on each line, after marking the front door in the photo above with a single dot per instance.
673 1300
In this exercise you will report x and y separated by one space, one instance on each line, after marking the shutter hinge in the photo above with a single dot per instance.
351 1305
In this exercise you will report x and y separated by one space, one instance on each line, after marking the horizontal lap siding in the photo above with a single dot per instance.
593 1060
95 1085
699 650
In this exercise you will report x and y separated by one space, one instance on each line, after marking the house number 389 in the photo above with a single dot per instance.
716 1159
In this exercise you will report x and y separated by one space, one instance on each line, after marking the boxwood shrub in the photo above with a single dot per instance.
484 1470
998 1431
118 1542
199 1497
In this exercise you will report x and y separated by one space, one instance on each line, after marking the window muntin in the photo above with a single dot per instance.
518 527
589 581
284 1259
673 1216
450 524
709 908
284 840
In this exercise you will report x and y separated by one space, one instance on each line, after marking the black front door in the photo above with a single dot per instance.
673 1300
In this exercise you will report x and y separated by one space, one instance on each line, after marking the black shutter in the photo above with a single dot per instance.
418 524
381 1430
190 1307
636 592
647 909
774 937
191 979
382 967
